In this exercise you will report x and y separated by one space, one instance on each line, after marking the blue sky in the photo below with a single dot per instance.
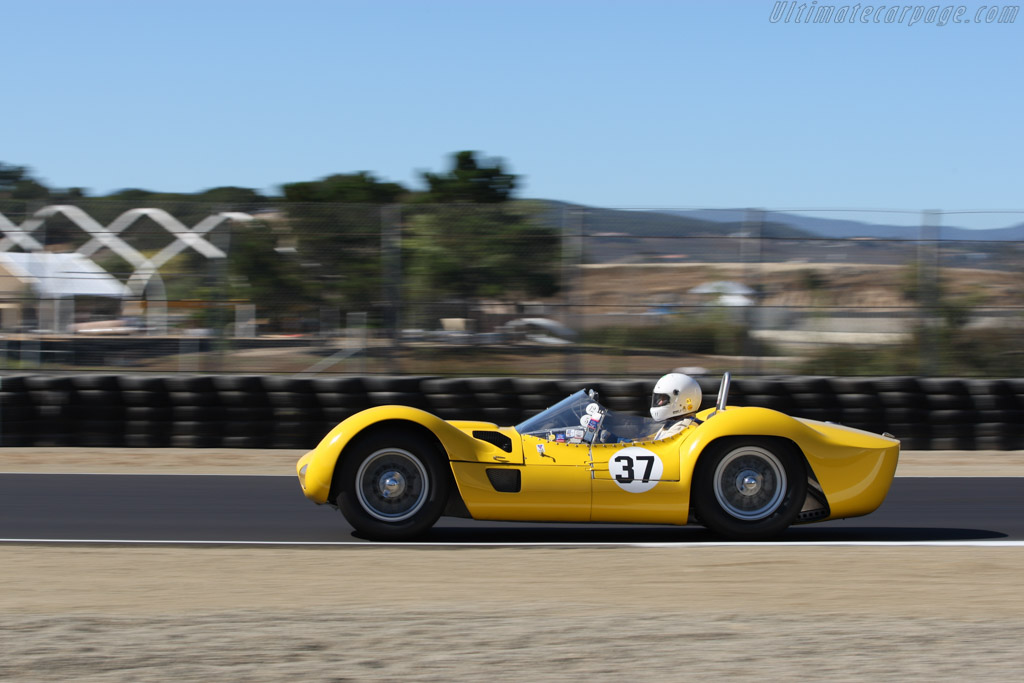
649 103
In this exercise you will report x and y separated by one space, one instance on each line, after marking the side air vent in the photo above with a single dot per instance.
505 481
495 438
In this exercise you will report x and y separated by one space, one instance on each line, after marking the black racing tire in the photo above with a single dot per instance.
392 486
750 488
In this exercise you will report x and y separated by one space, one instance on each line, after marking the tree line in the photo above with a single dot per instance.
348 241
471 178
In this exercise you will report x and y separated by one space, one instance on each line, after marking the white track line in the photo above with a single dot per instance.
153 474
539 544
285 475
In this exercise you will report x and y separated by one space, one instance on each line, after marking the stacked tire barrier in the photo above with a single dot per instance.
249 411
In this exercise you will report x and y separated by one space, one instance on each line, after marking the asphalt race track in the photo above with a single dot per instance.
271 509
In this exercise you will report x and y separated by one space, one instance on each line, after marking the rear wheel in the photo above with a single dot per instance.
749 489
392 486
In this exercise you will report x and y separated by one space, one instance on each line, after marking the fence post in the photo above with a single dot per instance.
928 287
222 284
751 250
573 219
391 271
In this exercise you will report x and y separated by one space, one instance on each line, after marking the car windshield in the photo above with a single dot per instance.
580 418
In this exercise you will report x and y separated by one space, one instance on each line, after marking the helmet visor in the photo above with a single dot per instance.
660 400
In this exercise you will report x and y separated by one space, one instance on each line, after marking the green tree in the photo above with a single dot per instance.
269 276
234 198
354 188
11 175
471 180
71 194
30 189
466 240
336 227
465 252
131 194
17 183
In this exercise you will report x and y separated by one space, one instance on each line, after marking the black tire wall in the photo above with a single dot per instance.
251 411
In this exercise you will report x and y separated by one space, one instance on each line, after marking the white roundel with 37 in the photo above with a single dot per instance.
635 469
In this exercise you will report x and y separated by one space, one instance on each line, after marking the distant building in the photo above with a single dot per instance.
724 293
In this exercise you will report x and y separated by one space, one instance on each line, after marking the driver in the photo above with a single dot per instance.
676 399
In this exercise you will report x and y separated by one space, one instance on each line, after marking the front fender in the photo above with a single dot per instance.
320 463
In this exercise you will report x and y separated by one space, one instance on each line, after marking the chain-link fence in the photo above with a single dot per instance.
513 289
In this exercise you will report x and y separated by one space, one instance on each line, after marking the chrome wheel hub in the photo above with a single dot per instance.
392 484
750 483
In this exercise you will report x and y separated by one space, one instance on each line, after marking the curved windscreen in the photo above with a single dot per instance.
580 418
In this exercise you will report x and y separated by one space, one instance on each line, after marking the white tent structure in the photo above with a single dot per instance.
61 275
55 280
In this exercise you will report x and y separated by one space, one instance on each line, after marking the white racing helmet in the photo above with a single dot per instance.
675 395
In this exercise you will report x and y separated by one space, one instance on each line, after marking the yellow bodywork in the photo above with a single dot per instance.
565 482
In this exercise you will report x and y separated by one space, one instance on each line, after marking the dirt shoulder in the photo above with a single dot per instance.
282 462
421 614
141 580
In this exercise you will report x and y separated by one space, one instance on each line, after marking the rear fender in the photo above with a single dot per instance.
853 468
743 421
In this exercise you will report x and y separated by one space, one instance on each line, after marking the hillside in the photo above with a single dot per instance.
723 236
839 228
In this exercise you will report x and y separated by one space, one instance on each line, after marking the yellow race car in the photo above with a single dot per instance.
746 473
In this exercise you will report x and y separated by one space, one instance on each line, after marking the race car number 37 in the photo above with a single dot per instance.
635 469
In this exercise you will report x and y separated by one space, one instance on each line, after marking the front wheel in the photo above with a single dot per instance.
392 487
749 489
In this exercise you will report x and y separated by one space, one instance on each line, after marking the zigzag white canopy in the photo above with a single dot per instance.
109 237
